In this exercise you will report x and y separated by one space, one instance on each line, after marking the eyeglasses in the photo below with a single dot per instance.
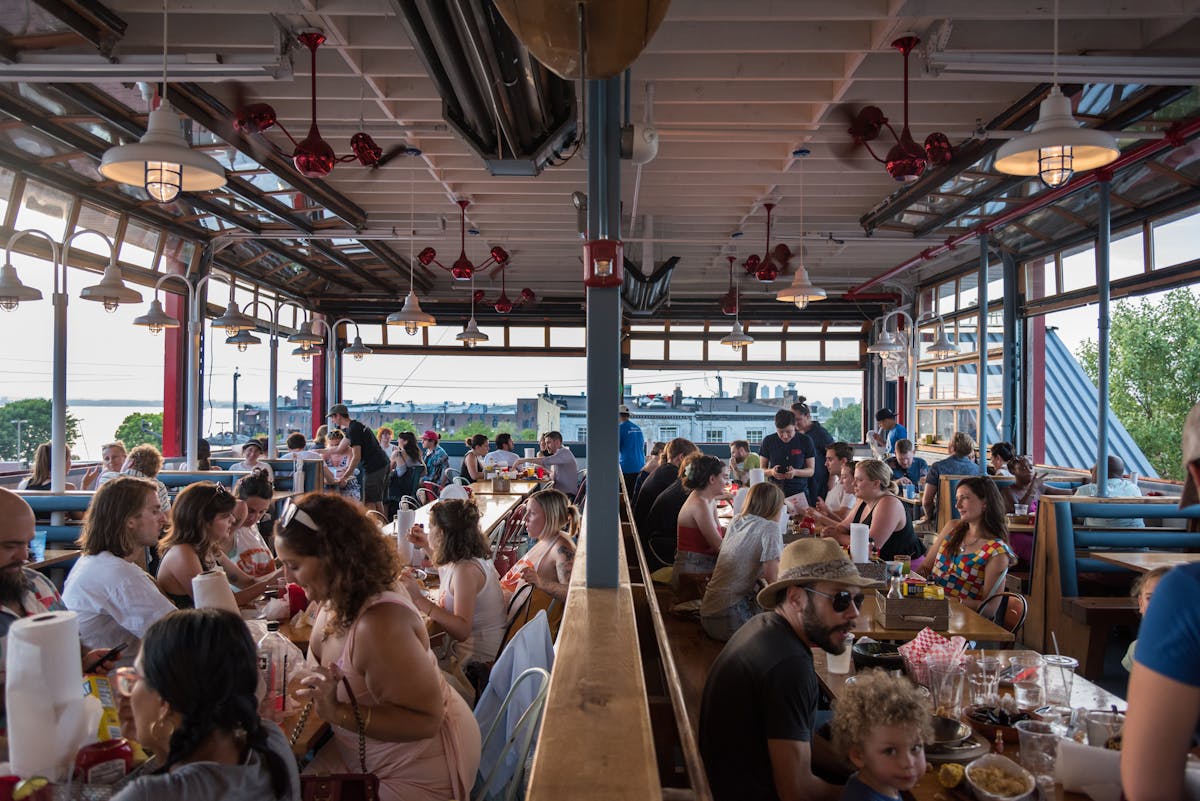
219 491
292 511
841 600
125 679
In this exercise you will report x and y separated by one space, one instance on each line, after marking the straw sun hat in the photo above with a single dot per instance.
809 561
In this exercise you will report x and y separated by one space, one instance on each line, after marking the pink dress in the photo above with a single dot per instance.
436 769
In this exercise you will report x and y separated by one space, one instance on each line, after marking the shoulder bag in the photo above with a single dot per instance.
362 786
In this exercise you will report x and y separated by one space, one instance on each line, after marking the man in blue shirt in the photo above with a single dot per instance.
907 467
958 464
889 430
632 448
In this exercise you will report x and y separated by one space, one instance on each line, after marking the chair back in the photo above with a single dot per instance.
449 476
525 605
501 779
1006 609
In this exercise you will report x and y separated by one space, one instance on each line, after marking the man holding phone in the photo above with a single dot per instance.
788 456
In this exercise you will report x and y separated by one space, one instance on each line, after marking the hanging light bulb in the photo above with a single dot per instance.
304 352
471 335
801 291
411 316
111 291
156 319
12 291
357 349
942 347
243 340
737 338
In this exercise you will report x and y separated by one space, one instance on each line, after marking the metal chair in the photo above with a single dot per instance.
449 476
427 493
492 783
1006 609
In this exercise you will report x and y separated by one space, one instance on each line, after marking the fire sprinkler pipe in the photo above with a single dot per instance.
1176 136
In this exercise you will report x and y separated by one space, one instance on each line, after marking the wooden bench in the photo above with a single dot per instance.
1081 622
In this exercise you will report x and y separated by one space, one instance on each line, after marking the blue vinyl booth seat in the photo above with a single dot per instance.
282 469
175 480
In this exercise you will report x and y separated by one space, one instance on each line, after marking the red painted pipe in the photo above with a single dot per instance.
1176 136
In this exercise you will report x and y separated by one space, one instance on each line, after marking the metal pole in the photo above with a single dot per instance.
1104 224
981 420
18 424
236 376
603 336
58 427
1012 414
273 389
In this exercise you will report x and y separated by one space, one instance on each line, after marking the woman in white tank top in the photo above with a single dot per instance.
470 605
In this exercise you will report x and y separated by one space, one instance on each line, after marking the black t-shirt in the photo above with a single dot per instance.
762 687
794 453
662 477
818 485
373 457
662 524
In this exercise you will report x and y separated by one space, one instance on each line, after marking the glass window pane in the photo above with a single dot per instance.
640 349
945 382
523 337
1039 279
968 385
686 350
925 384
44 208
762 350
1175 239
968 291
1079 269
966 423
967 337
138 244
945 300
94 219
1126 256
839 351
803 350
925 302
568 337
722 353
945 424
995 283
925 424
995 379
6 183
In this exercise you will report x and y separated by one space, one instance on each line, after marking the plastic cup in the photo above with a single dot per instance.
1058 674
1039 746
1103 725
1027 680
1020 509
910 491
983 680
840 663
946 682
37 547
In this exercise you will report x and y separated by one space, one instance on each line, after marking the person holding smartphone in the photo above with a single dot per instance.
789 456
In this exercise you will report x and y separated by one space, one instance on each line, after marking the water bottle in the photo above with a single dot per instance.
273 669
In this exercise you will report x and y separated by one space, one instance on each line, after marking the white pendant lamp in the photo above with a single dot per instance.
305 336
737 338
162 163
12 291
234 319
942 347
156 319
802 290
412 317
1057 147
471 335
111 291
357 349
243 339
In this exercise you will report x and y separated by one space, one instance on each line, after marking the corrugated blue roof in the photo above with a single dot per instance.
1071 416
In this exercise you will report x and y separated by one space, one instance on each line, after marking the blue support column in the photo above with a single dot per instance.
982 347
1103 240
1012 425
603 336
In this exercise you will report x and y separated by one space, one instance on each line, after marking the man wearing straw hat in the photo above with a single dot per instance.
758 715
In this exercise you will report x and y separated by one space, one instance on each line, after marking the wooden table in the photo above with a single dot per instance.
964 622
55 556
514 487
493 509
1144 561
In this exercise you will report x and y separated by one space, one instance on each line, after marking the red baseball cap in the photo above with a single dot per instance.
431 434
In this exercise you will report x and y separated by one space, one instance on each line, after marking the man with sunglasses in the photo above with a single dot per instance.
758 714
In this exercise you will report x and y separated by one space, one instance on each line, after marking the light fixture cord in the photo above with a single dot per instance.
164 81
412 225
1056 42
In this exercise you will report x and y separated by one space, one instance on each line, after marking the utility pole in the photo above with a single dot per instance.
236 376
18 424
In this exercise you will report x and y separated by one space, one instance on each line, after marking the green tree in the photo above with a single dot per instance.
845 424
399 425
1153 372
475 427
140 428
526 435
36 412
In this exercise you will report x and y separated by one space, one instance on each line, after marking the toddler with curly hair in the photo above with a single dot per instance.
881 723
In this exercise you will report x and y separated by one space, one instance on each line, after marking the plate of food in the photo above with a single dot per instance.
999 719
997 778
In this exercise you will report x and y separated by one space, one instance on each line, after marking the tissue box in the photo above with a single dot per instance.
913 614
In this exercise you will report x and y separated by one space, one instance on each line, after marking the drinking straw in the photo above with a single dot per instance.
1062 669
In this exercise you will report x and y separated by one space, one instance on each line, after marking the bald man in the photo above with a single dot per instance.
24 592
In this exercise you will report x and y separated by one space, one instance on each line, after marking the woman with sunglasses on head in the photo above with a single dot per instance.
190 699
421 739
552 522
470 605
201 527
971 556
879 506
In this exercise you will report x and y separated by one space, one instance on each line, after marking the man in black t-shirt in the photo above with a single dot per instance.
365 450
818 485
788 456
757 716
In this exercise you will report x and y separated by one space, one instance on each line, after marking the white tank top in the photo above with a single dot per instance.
487 625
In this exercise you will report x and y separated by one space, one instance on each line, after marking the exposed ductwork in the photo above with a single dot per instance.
642 294
512 111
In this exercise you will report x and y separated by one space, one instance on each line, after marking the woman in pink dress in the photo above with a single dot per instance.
421 739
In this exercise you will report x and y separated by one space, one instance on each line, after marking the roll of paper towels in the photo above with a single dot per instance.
48 716
739 500
211 590
404 521
860 547
783 520
757 475
530 453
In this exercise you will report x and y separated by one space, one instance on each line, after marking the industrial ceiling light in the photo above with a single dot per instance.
243 339
156 319
411 316
471 335
1057 147
942 347
802 291
737 338
12 291
357 349
234 319
305 352
306 336
888 341
162 163
111 291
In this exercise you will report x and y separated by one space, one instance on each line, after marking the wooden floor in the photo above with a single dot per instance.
694 652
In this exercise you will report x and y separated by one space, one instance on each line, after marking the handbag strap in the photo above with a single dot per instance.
358 724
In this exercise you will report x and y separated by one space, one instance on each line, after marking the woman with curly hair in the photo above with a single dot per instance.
552 521
144 461
189 698
421 739
201 528
881 724
971 556
698 533
470 605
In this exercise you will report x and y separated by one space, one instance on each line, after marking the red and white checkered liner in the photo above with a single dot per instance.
928 643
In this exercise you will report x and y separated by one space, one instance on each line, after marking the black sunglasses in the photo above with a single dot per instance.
219 491
840 600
